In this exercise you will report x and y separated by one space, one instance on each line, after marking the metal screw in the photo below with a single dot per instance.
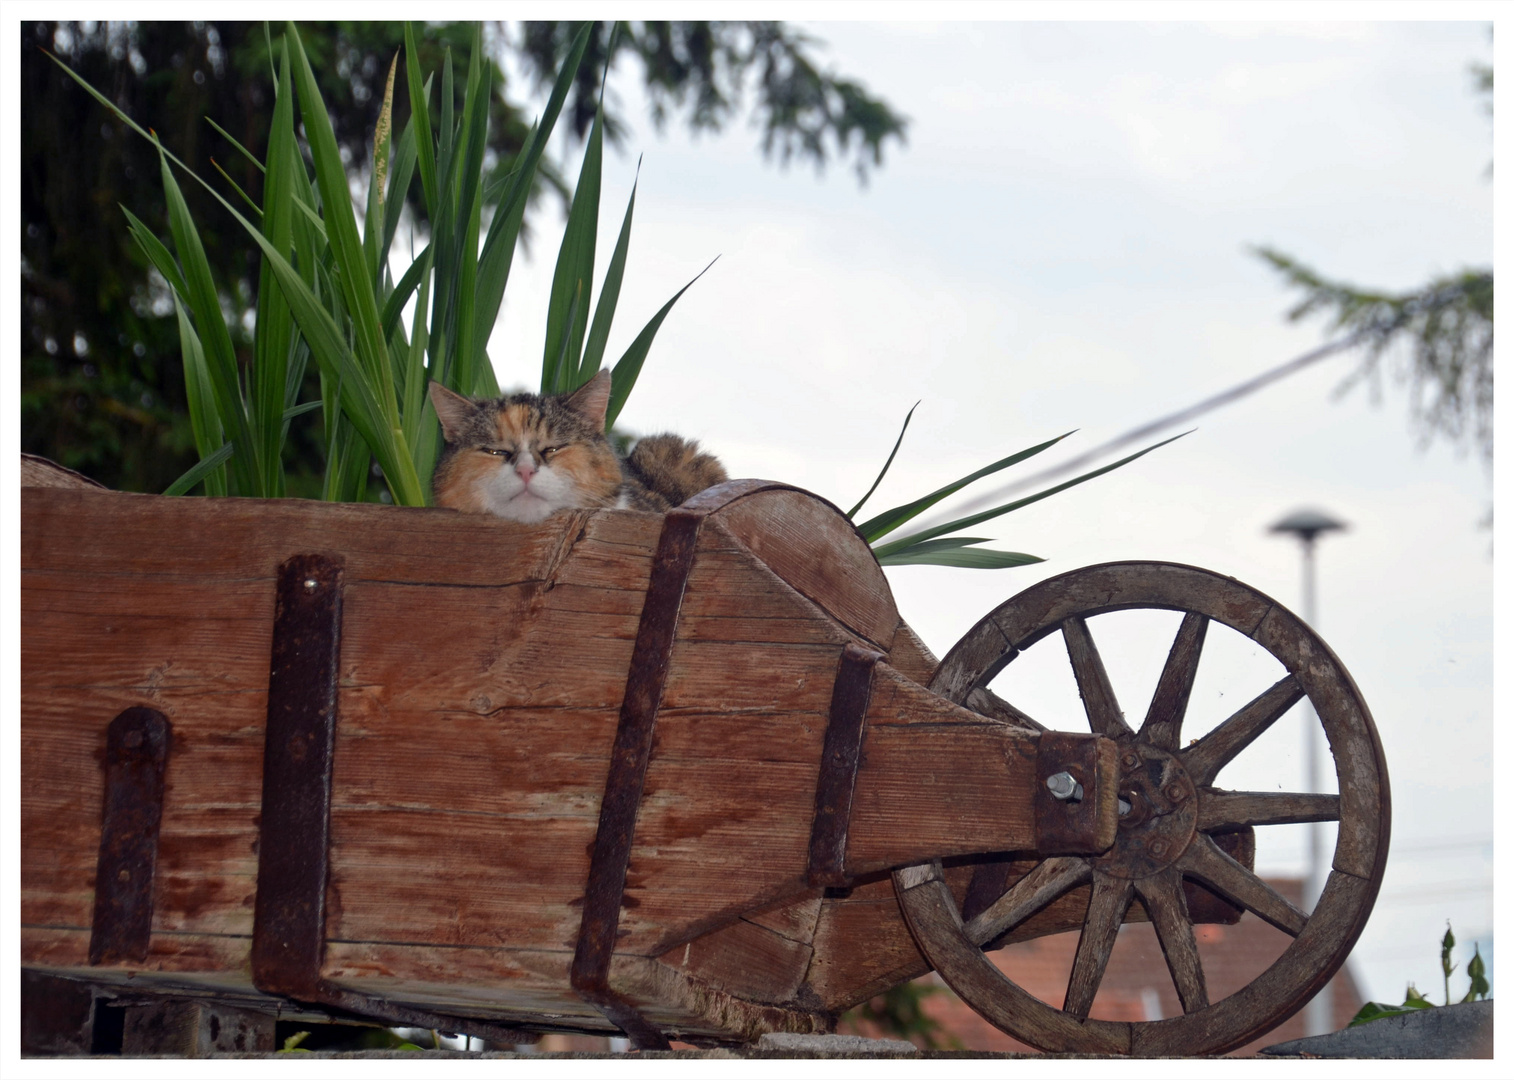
1158 848
311 584
133 739
1064 786
1176 793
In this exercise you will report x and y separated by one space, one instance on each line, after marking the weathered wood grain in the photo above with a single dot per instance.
812 546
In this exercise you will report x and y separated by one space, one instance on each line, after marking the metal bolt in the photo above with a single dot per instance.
1130 760
133 739
1176 793
1064 786
311 584
1158 848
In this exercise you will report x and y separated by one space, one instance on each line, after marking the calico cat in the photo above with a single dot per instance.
523 457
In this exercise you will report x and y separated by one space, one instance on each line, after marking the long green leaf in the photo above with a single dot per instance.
852 513
246 153
504 230
204 420
623 375
400 177
420 119
386 439
202 470
975 558
204 302
573 277
156 253
890 520
902 543
609 294
341 232
394 303
474 126
275 325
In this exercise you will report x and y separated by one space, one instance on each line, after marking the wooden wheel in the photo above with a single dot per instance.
1168 833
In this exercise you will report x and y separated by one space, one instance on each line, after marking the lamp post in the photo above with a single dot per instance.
1307 525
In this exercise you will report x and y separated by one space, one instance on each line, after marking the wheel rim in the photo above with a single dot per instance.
1175 811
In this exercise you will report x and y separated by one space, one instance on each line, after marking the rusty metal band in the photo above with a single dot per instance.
839 763
632 751
137 743
289 913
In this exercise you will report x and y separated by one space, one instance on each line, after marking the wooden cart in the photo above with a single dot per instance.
684 776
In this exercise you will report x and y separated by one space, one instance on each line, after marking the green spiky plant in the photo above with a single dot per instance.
326 292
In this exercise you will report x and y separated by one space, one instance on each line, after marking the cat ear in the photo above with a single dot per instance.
452 409
592 399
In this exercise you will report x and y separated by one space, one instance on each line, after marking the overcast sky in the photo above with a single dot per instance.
1064 244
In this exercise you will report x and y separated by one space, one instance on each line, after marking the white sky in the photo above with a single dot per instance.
1063 244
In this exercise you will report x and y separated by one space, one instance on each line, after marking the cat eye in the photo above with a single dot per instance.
548 451
506 454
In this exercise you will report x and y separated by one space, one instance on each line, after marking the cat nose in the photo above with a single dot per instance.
525 468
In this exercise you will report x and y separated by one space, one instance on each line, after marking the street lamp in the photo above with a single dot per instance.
1307 525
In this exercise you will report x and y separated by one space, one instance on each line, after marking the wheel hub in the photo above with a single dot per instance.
1163 812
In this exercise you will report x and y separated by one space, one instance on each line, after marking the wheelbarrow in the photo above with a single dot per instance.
683 776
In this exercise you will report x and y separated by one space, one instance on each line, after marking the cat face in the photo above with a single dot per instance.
524 457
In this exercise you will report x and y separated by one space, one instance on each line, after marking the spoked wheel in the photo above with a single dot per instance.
1173 818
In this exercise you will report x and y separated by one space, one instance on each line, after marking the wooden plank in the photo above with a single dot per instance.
911 657
746 960
215 539
811 545
920 790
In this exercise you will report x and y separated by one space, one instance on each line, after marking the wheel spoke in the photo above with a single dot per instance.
1099 702
1164 719
1106 910
1205 758
1229 809
984 701
1205 861
1049 880
1163 896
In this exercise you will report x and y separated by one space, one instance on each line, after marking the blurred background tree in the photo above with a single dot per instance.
101 379
1440 332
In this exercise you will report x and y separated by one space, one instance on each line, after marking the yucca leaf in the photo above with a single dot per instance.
609 294
394 303
415 368
204 420
328 345
573 277
513 193
623 375
246 198
852 513
246 153
889 520
420 120
202 470
342 234
557 380
880 550
400 176
161 258
474 129
271 342
204 303
975 558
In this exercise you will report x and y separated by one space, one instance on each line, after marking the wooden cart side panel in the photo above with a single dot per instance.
812 546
